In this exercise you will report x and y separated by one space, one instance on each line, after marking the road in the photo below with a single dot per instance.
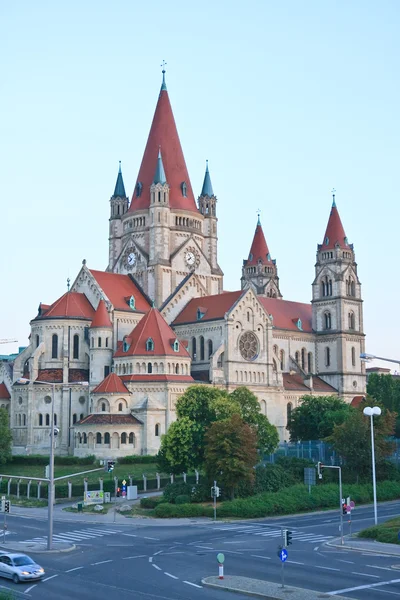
131 559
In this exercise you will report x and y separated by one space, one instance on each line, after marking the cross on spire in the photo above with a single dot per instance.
68 282
163 85
258 216
333 197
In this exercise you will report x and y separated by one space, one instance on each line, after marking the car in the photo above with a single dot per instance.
19 567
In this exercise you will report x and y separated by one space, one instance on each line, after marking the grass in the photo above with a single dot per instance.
386 532
26 503
90 508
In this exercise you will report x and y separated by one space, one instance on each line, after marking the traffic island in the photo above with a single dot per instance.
28 547
264 589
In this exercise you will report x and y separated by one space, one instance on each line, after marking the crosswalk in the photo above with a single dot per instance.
77 535
262 531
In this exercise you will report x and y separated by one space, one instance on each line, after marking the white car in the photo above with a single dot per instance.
19 567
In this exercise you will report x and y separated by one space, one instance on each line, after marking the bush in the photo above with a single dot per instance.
39 459
135 459
182 499
173 490
167 511
151 502
200 492
294 467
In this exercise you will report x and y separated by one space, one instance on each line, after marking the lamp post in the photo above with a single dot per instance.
370 411
50 492
367 357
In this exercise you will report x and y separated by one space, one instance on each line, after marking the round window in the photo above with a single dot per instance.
47 399
248 345
82 400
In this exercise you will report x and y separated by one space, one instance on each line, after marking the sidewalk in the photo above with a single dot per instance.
365 545
264 589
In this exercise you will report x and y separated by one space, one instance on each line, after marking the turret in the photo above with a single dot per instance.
101 344
208 208
119 204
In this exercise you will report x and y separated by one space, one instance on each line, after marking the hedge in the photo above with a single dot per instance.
135 459
151 502
39 459
167 511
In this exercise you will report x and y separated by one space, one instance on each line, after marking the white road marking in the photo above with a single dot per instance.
327 568
155 553
376 567
150 538
101 562
193 584
204 547
138 556
259 556
350 562
366 575
169 575
294 562
74 569
316 547
363 587
150 559
232 542
129 535
48 578
30 588
156 567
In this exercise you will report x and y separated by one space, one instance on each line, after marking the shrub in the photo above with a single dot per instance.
294 467
173 490
136 459
200 492
166 511
151 502
182 499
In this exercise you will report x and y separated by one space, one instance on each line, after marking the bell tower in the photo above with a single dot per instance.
208 208
337 313
118 207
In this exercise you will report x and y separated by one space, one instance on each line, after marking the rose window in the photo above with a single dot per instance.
248 345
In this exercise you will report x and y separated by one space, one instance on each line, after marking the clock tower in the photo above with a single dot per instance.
163 236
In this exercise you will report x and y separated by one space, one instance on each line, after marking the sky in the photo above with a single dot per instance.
287 100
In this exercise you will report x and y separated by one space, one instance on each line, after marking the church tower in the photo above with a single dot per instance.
118 207
337 315
259 269
164 236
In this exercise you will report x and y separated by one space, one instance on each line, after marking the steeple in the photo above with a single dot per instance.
159 176
119 191
334 234
163 133
207 189
259 253
259 268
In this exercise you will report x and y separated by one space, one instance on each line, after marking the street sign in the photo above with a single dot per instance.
283 554
352 504
309 476
220 558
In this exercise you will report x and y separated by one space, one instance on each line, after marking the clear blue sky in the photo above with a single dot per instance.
285 99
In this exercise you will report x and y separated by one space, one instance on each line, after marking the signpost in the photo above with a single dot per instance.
221 560
321 466
214 494
282 554
123 489
94 497
5 508
309 477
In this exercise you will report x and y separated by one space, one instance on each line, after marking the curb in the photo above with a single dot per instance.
38 551
215 586
377 550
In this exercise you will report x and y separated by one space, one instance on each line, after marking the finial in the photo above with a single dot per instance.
333 198
206 166
84 261
159 151
163 85
258 216
119 170
68 282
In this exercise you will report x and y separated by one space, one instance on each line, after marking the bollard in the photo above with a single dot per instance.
220 571
184 477
85 485
28 489
144 482
18 484
130 479
101 483
69 490
197 477
158 480
9 487
39 483
172 478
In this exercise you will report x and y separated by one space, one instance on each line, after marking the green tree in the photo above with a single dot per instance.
316 416
230 452
180 450
197 403
385 389
5 437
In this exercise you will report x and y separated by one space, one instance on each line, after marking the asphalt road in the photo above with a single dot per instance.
128 559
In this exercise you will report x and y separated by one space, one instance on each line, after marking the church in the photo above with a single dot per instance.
121 345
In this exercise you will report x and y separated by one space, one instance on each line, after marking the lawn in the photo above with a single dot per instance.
387 532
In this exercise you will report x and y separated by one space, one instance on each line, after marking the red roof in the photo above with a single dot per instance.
152 326
119 287
334 233
56 375
259 249
109 419
286 314
164 136
4 393
211 307
101 317
150 377
357 400
296 382
72 305
112 384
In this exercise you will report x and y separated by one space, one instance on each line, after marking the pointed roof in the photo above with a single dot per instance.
163 133
118 288
334 233
72 305
112 384
259 249
152 326
207 189
119 191
159 176
4 393
101 317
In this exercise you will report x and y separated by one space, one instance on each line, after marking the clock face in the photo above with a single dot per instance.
131 259
190 258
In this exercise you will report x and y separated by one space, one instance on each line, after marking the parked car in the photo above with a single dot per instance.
19 567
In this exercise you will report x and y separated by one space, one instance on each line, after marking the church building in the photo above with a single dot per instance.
116 351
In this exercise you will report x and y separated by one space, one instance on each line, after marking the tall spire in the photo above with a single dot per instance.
207 189
159 176
119 191
163 85
334 233
163 133
259 249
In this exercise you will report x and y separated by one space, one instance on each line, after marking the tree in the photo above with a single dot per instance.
316 416
180 448
197 404
352 439
385 389
230 452
5 437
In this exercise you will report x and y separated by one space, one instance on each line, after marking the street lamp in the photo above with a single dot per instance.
370 411
50 492
364 356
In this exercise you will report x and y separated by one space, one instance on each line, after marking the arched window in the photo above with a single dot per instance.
289 408
99 342
353 356
55 418
74 418
323 288
275 349
37 341
47 419
76 346
282 360
149 345
149 368
351 320
327 357
107 438
85 438
81 416
120 407
210 348
54 346
201 348
98 438
40 420
297 357
352 289
123 438
157 430
194 351
103 407
327 320
24 420
310 362
274 367
177 369
303 359
132 438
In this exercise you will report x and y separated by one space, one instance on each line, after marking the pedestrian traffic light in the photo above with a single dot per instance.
7 506
319 468
288 538
110 465
344 508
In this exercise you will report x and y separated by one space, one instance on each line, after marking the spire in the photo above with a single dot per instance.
259 249
334 233
159 176
119 191
207 189
101 317
163 85
163 133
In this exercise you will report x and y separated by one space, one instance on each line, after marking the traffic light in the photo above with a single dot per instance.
110 466
289 538
344 508
319 468
7 506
